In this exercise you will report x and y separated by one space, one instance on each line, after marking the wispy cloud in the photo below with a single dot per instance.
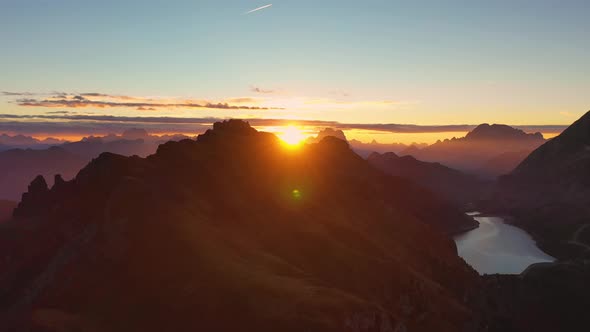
257 9
16 94
101 100
261 90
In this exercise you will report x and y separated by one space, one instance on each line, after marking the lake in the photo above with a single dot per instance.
496 247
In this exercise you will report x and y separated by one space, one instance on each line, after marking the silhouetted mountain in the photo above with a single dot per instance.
451 184
18 167
362 149
133 142
90 148
482 149
233 232
6 209
327 132
485 132
365 149
8 142
549 192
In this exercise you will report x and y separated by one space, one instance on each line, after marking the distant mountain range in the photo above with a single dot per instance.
233 232
488 150
19 166
365 149
549 192
8 142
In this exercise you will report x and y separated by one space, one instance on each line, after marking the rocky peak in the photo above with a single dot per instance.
228 128
327 132
500 132
38 186
58 182
33 201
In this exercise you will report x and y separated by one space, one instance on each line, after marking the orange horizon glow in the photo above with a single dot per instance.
292 136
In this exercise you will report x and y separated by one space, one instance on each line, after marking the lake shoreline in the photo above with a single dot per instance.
498 246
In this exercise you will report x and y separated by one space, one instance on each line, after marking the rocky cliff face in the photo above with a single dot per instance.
232 232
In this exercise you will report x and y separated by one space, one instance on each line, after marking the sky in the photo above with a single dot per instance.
428 63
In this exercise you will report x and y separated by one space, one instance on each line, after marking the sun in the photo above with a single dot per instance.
292 136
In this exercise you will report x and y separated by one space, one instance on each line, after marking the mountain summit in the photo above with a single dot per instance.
500 132
488 150
234 232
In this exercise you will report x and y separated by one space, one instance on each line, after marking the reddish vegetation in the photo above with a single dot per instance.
209 235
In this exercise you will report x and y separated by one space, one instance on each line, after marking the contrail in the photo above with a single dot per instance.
257 9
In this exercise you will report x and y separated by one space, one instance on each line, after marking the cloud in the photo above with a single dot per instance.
243 100
60 112
88 124
16 94
261 90
99 100
94 94
257 9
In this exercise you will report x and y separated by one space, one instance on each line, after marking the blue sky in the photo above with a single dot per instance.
424 62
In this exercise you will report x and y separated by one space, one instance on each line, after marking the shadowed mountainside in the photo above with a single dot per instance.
549 192
451 184
233 231
546 297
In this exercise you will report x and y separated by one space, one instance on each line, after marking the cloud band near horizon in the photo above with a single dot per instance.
102 124
88 100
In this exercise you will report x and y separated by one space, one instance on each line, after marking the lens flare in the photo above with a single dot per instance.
296 194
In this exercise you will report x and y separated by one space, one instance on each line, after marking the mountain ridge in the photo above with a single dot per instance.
319 238
548 192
